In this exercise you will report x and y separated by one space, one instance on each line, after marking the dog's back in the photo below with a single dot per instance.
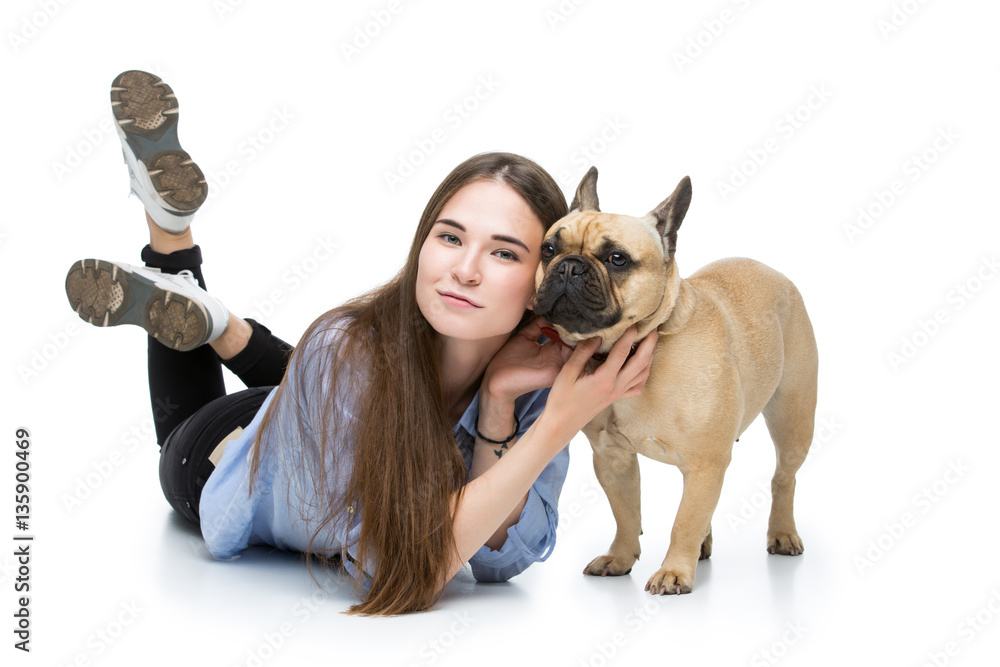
760 310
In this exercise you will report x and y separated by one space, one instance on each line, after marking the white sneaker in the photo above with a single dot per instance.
172 308
168 183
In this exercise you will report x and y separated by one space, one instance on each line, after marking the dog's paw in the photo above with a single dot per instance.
667 581
786 544
605 565
706 547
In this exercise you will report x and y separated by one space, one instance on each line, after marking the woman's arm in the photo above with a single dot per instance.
575 398
496 420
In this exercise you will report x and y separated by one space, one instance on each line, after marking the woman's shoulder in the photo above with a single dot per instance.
333 327
331 346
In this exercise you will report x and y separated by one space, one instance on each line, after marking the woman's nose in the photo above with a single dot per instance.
466 269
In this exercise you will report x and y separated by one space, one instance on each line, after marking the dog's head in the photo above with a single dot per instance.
602 272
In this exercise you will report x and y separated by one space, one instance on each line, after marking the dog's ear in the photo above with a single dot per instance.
586 193
667 217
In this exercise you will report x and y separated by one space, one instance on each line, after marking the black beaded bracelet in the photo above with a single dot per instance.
517 427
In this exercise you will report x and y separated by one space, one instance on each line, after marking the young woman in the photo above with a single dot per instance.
412 430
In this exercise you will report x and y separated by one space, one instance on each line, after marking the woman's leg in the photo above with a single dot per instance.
191 333
186 458
184 374
191 426
182 382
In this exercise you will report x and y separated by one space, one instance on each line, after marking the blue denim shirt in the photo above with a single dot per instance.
232 518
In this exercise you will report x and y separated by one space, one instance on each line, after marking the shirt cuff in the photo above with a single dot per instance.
530 540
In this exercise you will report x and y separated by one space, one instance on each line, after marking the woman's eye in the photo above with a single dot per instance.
507 256
449 238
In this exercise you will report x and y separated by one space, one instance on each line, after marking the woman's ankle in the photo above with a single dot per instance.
234 340
165 242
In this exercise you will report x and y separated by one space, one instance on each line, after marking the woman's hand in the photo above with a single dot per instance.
522 365
577 396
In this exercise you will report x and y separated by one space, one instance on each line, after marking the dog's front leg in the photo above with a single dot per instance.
702 488
617 469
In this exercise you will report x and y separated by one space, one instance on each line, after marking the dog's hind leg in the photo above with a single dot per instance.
790 416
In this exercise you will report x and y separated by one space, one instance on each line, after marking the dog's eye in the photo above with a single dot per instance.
548 251
617 259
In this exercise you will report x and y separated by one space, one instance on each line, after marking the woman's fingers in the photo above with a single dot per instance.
631 370
582 353
533 327
637 383
620 350
644 353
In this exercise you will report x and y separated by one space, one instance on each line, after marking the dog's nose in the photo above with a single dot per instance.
573 266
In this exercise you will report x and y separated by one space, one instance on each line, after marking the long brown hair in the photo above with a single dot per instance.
406 465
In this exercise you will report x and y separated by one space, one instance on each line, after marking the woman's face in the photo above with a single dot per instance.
476 272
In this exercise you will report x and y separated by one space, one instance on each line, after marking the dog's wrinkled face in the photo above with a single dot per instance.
601 272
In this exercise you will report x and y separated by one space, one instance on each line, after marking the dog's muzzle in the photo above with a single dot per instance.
575 296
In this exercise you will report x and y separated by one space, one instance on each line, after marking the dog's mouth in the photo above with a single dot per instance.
574 297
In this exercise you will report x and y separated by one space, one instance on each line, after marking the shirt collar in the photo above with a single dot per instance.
469 418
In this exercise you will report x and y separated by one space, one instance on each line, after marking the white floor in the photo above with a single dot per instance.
789 117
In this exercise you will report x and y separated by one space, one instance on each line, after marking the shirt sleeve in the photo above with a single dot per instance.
533 537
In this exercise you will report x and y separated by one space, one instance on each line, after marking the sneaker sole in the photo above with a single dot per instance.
146 111
106 295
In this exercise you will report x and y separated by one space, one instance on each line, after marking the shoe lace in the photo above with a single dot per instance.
188 276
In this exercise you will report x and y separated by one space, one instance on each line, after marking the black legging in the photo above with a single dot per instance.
191 411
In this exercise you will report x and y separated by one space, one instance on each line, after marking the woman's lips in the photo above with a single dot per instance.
458 301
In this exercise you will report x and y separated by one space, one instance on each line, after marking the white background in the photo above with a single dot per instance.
889 576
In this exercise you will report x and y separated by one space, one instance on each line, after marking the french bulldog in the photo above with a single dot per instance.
734 342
